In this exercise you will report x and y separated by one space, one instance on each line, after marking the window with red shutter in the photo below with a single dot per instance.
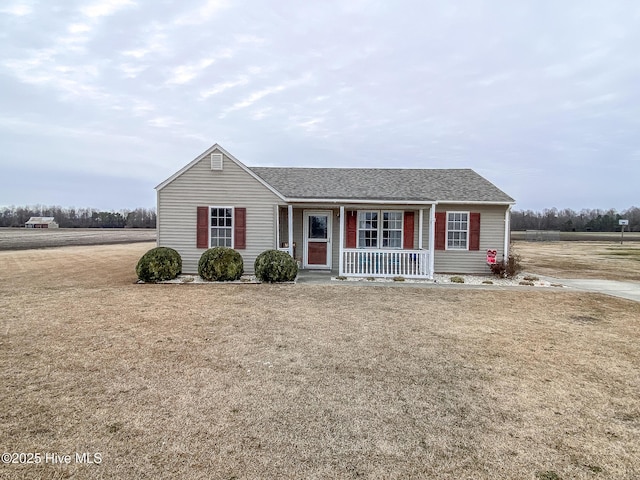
352 229
409 226
441 231
202 228
240 228
474 231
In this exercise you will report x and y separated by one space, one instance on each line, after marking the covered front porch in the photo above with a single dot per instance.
371 240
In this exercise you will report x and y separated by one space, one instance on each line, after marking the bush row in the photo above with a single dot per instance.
219 264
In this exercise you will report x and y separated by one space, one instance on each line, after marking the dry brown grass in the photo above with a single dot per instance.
267 381
605 260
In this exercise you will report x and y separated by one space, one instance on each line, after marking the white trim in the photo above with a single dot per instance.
464 202
217 161
305 224
158 219
356 201
353 201
432 240
380 229
341 247
290 228
278 241
446 234
233 224
507 232
209 151
420 227
359 262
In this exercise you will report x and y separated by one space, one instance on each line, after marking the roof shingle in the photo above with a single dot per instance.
455 185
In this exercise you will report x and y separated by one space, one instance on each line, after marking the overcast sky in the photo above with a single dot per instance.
103 100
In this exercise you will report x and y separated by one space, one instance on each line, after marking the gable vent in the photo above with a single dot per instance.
216 161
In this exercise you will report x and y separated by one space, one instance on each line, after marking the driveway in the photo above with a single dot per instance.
628 290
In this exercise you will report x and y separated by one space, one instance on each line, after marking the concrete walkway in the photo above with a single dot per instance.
627 290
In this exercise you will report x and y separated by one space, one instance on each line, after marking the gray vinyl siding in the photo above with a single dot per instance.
230 187
491 237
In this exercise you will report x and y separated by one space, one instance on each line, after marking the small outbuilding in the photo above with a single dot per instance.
41 222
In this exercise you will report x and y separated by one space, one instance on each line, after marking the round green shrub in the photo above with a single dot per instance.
275 266
221 264
158 264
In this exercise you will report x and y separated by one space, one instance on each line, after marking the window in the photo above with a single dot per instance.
457 230
392 229
367 229
371 230
221 227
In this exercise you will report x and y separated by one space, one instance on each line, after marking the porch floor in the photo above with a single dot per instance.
316 276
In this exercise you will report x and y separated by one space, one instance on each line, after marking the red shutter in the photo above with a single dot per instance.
240 228
441 230
202 229
352 229
407 243
474 231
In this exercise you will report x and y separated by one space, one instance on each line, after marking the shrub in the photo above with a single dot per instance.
220 264
275 266
487 282
508 269
398 279
456 280
159 264
531 278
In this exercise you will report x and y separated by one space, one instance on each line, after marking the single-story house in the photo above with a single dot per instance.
353 221
41 222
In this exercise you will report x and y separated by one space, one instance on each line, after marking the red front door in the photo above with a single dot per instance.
318 239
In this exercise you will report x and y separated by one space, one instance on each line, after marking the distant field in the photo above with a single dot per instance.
587 236
587 259
23 239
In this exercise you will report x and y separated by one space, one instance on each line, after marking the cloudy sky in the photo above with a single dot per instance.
104 99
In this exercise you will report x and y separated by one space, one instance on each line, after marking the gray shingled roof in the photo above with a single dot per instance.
460 185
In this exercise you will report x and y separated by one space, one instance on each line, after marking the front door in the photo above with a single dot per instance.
317 239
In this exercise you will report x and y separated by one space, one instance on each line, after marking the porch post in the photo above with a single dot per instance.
278 241
290 226
420 227
432 239
507 232
340 252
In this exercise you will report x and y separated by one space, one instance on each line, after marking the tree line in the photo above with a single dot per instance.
567 220
79 217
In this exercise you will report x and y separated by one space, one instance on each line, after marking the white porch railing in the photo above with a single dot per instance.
385 263
287 250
